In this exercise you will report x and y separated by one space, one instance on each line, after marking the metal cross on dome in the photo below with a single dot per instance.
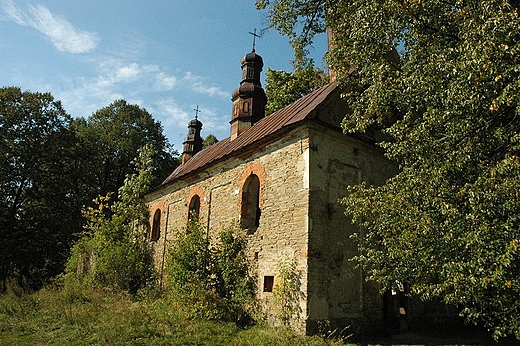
196 112
254 38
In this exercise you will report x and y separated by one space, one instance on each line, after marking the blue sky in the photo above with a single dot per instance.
165 56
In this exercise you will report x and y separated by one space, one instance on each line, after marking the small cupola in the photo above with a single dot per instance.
193 142
249 98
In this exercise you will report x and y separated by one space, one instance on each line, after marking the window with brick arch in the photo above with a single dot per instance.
250 213
194 208
156 226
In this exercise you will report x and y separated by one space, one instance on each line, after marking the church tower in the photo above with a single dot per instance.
249 98
193 142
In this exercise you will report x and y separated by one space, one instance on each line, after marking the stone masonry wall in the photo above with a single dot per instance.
337 292
283 170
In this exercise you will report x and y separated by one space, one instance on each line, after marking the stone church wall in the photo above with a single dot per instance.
337 292
283 170
301 176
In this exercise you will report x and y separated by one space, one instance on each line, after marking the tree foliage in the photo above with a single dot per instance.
114 251
112 137
442 79
53 166
209 141
38 207
283 88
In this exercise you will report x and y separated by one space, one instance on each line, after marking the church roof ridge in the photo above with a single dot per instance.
291 114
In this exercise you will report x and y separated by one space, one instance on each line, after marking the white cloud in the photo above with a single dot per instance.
59 31
114 72
174 120
172 115
13 12
127 73
167 97
115 79
198 84
165 82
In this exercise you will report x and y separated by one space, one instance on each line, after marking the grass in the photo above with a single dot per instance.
51 317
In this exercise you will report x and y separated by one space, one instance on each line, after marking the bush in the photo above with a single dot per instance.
235 284
189 271
213 281
287 293
114 252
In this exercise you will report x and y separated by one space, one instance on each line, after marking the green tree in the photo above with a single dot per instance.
112 137
442 79
114 251
283 88
39 209
209 141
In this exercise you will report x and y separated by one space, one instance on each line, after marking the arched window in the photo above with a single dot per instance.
156 226
250 213
194 208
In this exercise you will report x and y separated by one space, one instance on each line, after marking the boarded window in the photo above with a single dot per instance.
250 213
156 226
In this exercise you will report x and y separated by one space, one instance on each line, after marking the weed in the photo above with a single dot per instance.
287 292
113 318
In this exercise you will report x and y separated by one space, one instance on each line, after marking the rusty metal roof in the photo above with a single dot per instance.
263 129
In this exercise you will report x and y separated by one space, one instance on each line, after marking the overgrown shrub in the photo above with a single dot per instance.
114 252
287 292
212 280
189 272
235 283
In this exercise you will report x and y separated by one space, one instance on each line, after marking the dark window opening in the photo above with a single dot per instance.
268 283
156 226
250 213
194 208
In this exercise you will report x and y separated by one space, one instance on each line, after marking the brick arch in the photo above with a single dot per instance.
196 190
259 171
152 209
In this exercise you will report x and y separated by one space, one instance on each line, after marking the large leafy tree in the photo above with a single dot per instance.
39 209
283 88
112 137
442 79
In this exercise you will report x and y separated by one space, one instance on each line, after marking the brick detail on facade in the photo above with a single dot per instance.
259 171
196 190
158 205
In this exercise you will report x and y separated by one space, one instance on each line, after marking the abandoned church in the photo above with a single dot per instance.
279 177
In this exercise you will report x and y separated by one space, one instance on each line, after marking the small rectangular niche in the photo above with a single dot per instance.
268 283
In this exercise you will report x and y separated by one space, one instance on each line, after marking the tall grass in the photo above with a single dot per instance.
52 317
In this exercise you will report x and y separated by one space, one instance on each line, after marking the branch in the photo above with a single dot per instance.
315 12
425 24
